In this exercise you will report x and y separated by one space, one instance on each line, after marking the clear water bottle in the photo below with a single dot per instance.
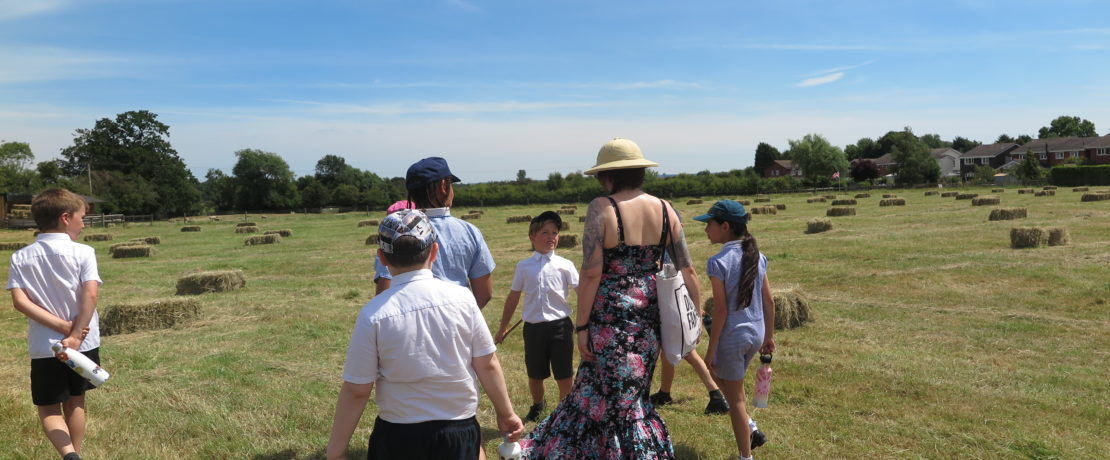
762 382
82 365
509 450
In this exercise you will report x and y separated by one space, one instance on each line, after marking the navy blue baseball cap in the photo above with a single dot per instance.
725 210
427 171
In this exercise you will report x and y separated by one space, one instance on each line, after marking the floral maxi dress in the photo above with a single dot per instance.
607 414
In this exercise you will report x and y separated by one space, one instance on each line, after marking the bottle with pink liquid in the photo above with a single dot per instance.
762 382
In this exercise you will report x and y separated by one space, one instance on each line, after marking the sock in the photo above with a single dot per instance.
752 425
748 458
71 456
716 394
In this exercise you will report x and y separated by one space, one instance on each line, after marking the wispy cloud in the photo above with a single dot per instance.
41 63
13 9
816 81
428 108
655 84
841 69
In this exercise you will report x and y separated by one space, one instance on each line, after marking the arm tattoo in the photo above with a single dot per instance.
592 236
680 254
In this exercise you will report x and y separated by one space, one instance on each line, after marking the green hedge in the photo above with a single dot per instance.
1074 176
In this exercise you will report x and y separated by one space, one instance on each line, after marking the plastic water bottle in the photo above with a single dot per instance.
509 450
762 382
82 365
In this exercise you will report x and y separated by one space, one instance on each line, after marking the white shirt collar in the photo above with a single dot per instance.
54 236
541 256
734 243
408 277
437 212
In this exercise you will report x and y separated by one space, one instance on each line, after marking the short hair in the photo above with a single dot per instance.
407 252
49 205
624 179
537 223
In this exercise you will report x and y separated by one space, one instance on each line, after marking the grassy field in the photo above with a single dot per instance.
931 338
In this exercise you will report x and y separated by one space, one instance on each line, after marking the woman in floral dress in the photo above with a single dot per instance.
607 414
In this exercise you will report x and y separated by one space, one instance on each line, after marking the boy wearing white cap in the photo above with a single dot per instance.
423 342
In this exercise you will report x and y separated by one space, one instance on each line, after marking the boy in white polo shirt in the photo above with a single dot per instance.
423 341
55 283
546 279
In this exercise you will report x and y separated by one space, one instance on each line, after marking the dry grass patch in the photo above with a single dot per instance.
949 194
246 224
470 216
369 223
1008 214
262 239
284 233
830 197
844 202
190 228
1028 237
836 212
158 314
818 225
1058 236
210 281
816 199
1080 189
135 250
998 190
791 307
893 202
98 237
476 211
693 202
985 200
567 241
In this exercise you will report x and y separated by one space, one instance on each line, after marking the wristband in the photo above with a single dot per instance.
581 328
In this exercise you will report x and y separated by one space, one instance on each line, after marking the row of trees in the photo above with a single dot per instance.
128 161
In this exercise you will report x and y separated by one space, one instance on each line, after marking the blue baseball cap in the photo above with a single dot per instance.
427 171
726 210
406 222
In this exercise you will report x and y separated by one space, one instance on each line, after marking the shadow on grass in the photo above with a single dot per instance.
683 451
293 454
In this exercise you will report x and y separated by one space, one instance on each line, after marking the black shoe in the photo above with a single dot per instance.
758 439
534 413
661 399
716 406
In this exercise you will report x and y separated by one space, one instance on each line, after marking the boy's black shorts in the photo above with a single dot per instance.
436 439
549 348
53 382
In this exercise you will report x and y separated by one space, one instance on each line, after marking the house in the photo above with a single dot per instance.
885 164
1098 150
993 155
780 168
1054 151
948 159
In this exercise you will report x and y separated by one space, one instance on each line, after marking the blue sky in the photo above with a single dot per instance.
500 86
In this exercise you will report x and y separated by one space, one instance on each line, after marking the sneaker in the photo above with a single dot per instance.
661 399
758 439
716 406
534 413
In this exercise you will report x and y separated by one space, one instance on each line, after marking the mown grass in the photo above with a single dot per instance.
931 337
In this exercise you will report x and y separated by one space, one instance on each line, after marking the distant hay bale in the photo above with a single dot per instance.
147 240
246 224
251 229
818 225
863 195
565 226
985 200
12 246
213 218
98 237
568 241
1079 189
791 307
931 193
1008 213
1049 187
764 210
844 202
138 250
115 247
949 194
210 281
190 228
780 206
1045 193
835 212
1028 237
966 196
693 202
1023 191
476 211
372 239
262 239
568 206
998 190
830 197
762 200
518 219
893 202
1058 236
745 202
1095 196
816 199
368 223
159 314
581 219
566 212
889 195
284 233
470 216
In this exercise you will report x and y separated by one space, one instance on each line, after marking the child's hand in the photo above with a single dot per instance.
710 359
510 426
584 346
500 337
768 346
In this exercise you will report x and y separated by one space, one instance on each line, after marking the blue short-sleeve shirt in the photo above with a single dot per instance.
463 254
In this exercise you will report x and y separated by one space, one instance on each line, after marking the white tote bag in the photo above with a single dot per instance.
679 319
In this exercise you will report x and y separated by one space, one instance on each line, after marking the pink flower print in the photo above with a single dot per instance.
637 295
597 410
636 362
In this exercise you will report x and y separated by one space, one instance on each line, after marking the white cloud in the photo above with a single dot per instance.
815 81
431 108
43 63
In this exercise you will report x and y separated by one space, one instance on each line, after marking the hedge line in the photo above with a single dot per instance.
1072 176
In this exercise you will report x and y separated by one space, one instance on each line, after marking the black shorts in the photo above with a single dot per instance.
549 349
53 382
436 439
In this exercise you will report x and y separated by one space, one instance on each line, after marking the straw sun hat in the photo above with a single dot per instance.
620 154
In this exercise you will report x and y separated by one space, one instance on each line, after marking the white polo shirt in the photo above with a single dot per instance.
546 280
50 271
415 341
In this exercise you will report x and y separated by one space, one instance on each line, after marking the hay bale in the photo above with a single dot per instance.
284 233
816 199
791 307
1058 236
949 194
966 196
581 219
998 190
372 239
845 202
818 225
159 314
262 239
1045 193
476 211
568 241
693 202
518 219
190 228
565 226
213 218
985 200
764 210
568 206
780 206
1008 214
250 229
1049 187
246 224
835 212
1022 191
210 281
566 212
1079 189
470 216
368 223
1095 196
98 237
830 197
138 250
745 202
147 240
1028 237
863 195
12 246
893 202
762 200
932 193
889 195
113 248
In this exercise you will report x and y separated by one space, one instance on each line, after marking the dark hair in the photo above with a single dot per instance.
623 179
749 261
407 252
428 196
547 216
49 205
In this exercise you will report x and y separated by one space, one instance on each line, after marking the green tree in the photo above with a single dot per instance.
1029 169
314 194
522 177
345 195
554 181
913 163
16 155
864 148
1065 126
333 171
1005 139
934 141
50 171
765 154
817 157
218 190
983 174
263 181
963 144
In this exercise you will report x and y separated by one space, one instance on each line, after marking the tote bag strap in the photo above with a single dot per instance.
664 235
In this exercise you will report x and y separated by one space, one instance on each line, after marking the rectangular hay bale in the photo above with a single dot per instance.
159 314
210 281
1028 237
1008 213
262 239
136 250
